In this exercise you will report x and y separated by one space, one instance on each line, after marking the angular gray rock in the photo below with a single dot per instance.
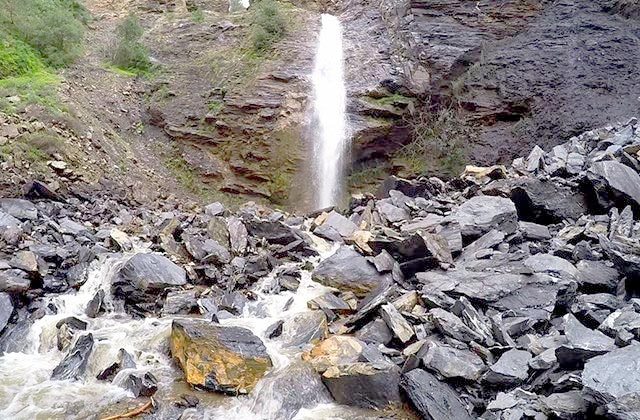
432 399
480 214
304 328
18 208
74 364
546 202
143 276
297 386
141 385
453 363
582 343
511 369
615 182
613 375
376 332
547 263
396 322
451 325
596 276
336 227
14 281
6 309
347 270
363 385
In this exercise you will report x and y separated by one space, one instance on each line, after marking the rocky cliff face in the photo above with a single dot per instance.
523 72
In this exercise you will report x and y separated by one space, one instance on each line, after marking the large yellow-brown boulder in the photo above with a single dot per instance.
219 358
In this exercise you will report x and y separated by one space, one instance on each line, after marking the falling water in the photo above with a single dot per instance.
330 137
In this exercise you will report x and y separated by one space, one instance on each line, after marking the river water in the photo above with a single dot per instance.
27 392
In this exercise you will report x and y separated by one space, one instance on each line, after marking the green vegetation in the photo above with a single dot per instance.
437 146
17 58
215 106
366 179
268 26
34 148
130 54
283 163
394 99
197 15
36 88
53 28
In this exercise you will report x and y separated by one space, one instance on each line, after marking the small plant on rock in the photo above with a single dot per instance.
269 25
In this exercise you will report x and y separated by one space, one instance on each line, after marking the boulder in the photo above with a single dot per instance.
18 208
613 375
449 324
74 364
7 221
347 270
481 214
547 263
615 184
141 385
272 231
6 309
596 276
25 260
582 343
95 304
66 331
566 405
14 281
511 369
547 202
396 323
376 332
218 358
238 235
296 386
363 385
335 227
304 327
125 361
334 351
451 362
179 302
432 399
144 276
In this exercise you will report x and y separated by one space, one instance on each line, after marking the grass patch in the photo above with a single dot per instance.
394 99
129 54
34 148
437 147
215 106
197 15
17 58
39 88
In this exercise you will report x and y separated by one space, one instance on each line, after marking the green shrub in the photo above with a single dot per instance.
17 58
269 25
438 144
35 88
129 53
54 28
197 15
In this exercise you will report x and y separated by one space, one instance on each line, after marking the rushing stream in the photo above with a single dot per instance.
329 106
27 392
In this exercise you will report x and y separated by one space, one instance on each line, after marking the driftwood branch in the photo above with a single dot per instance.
131 413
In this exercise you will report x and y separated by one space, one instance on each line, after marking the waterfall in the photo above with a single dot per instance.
329 105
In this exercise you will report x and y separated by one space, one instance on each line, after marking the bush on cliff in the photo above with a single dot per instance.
269 25
129 53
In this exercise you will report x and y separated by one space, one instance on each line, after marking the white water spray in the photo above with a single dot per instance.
330 136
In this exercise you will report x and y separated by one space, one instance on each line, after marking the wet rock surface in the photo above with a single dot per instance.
225 359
